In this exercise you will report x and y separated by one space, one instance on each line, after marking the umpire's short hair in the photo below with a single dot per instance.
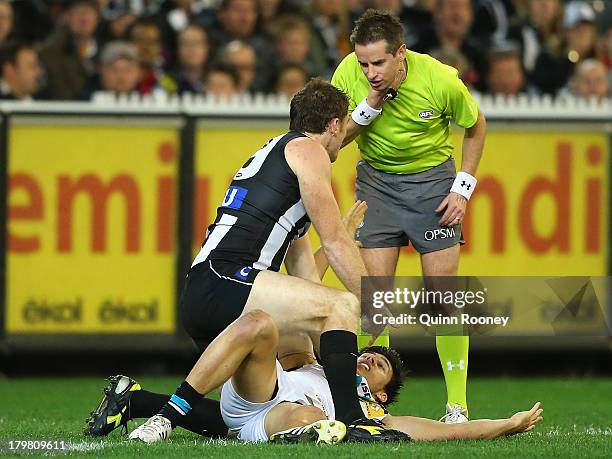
313 107
376 25
397 366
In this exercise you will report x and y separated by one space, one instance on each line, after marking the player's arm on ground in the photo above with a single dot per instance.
422 429
311 164
300 261
351 221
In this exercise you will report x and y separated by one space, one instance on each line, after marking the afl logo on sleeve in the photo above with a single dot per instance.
234 197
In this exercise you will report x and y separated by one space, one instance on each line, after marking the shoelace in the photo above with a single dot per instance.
452 415
155 426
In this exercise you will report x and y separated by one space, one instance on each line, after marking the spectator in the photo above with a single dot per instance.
20 72
192 53
540 39
271 10
505 74
580 31
605 48
120 15
32 20
589 80
330 24
417 18
175 15
292 39
492 20
6 20
70 55
290 79
455 59
452 20
242 56
222 81
237 20
119 68
146 35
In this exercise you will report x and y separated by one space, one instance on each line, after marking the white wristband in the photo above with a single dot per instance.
364 114
464 184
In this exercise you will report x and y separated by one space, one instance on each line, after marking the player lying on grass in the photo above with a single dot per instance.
263 402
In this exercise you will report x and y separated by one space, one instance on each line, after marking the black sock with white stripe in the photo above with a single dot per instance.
339 359
180 403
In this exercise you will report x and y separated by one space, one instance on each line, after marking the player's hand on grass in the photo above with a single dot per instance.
453 206
525 421
354 218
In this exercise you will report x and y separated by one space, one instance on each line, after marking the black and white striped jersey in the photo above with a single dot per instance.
261 215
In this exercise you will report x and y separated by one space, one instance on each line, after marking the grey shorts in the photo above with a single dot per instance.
401 208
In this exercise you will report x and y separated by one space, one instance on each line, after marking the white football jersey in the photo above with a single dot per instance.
309 381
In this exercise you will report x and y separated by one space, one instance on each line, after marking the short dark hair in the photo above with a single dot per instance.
10 51
397 366
375 25
225 68
313 107
504 50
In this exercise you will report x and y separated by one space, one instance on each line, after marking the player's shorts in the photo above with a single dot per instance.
247 419
401 208
214 295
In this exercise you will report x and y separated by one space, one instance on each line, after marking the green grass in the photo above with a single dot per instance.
577 421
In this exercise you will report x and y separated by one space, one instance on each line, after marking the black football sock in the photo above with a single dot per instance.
144 404
339 359
204 419
180 403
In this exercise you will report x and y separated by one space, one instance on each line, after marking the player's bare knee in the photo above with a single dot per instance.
259 326
321 311
305 415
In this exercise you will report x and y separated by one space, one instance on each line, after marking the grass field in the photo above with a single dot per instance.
577 421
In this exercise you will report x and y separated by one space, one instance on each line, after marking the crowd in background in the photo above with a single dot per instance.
69 50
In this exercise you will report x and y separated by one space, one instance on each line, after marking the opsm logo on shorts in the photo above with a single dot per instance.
440 233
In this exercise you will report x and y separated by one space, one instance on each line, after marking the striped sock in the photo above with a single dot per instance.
180 403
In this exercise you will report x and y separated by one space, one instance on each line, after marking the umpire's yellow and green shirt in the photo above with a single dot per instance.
413 132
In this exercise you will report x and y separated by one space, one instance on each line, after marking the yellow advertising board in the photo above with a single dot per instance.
541 206
91 228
